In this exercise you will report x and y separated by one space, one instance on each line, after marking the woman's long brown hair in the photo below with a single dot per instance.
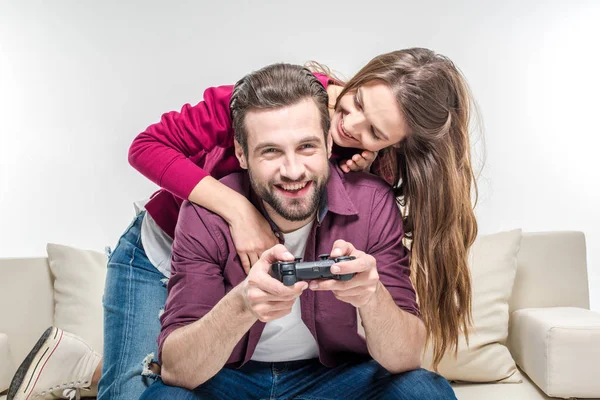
432 176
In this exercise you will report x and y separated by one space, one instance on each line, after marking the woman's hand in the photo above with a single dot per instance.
251 234
359 162
250 231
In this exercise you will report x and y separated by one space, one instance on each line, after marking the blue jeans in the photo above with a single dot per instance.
134 295
309 380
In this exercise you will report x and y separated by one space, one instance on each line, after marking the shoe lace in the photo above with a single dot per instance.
72 394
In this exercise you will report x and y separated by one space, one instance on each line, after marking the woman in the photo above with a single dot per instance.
407 110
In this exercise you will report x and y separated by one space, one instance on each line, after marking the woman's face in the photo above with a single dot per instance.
368 119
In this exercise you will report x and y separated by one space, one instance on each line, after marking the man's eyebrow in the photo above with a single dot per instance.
311 139
264 145
362 103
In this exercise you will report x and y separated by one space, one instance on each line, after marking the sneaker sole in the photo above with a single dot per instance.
29 371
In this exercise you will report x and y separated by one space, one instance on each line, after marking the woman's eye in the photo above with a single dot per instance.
357 103
374 135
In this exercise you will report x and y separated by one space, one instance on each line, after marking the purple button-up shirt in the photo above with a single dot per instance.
359 208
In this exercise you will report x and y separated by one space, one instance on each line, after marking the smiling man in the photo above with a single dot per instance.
228 335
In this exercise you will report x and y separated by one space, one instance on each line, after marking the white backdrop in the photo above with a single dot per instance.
79 79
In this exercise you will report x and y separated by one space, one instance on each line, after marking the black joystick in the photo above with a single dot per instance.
290 272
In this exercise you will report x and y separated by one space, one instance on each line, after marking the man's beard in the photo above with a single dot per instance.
291 209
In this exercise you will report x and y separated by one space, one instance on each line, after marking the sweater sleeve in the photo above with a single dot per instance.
167 152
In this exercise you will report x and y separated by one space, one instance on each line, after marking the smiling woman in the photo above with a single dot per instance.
423 102
369 118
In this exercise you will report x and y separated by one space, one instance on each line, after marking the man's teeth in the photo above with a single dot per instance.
295 186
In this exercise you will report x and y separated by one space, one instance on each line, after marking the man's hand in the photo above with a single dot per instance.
266 297
359 290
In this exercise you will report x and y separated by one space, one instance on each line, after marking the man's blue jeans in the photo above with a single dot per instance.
134 295
310 380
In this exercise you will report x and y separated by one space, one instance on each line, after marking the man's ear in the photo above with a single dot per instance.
329 145
239 153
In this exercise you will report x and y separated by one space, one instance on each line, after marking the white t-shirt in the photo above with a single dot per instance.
288 338
285 339
157 244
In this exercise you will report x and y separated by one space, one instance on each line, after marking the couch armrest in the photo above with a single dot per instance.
558 348
6 366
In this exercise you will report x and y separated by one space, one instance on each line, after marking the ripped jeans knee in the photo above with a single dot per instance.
150 367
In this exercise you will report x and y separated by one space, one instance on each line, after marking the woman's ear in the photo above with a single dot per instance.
239 153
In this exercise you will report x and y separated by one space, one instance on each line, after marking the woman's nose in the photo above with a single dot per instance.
354 123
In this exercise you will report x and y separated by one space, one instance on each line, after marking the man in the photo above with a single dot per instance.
228 335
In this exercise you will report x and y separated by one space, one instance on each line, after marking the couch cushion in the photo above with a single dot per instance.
542 280
559 348
493 263
79 277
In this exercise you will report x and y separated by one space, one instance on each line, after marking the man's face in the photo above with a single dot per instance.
287 161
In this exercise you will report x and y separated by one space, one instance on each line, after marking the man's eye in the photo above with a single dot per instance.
269 150
307 146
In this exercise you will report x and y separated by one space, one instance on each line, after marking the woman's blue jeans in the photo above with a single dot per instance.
311 380
134 295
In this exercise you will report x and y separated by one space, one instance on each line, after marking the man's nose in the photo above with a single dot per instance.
293 168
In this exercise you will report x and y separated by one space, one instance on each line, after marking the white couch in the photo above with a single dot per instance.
551 273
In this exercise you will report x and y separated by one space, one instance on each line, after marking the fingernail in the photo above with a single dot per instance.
305 286
314 285
287 254
336 251
335 269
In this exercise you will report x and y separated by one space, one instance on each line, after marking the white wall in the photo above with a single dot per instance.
79 79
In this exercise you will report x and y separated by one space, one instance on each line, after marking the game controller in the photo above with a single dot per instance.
290 272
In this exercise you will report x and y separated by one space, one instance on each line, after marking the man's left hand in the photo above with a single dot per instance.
359 290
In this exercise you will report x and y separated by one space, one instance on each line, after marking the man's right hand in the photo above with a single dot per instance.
266 297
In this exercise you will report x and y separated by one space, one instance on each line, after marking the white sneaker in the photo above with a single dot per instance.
60 365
